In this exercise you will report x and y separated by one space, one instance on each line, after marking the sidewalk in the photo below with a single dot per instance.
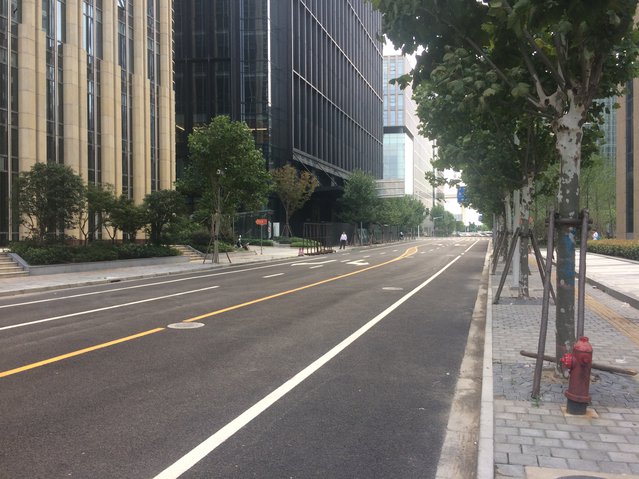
45 282
535 439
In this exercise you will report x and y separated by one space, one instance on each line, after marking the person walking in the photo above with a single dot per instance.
343 240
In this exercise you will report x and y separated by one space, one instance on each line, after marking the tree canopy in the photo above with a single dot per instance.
294 188
556 56
50 199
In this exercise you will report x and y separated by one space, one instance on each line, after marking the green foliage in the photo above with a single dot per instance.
163 207
50 198
444 221
36 254
405 212
305 243
614 247
100 200
359 203
227 172
294 188
127 217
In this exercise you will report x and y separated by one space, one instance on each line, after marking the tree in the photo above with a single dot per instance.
558 56
359 203
99 199
50 198
294 188
405 212
127 217
162 210
444 221
227 171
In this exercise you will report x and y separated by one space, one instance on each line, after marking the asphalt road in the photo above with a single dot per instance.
336 366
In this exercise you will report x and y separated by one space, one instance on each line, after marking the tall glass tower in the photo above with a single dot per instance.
305 75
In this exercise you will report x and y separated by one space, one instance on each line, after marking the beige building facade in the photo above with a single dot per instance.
89 84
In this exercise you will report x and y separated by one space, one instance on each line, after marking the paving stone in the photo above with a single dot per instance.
583 465
553 462
522 459
500 447
624 457
574 444
629 448
548 442
558 434
565 453
509 470
612 438
615 467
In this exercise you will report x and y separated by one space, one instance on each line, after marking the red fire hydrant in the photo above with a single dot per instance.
579 363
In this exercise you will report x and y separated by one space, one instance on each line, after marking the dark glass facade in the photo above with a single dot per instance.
305 75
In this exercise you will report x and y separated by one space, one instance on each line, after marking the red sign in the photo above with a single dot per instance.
261 221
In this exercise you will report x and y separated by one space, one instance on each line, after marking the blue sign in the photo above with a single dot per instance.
461 192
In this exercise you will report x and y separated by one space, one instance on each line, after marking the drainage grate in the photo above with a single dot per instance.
185 325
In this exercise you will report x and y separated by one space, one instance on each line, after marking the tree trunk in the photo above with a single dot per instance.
524 270
568 130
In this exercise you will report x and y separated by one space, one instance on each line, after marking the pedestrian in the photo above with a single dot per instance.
401 236
239 242
343 240
595 235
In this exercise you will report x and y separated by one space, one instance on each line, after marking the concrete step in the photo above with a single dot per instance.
193 256
13 274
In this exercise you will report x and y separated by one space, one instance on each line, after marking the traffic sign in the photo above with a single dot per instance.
261 221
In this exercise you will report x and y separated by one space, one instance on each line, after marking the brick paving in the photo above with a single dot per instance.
530 433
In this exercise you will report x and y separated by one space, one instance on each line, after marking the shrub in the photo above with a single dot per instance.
628 249
99 251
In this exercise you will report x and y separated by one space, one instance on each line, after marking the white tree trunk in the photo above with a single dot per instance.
568 131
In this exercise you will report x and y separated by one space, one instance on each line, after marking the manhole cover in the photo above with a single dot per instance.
185 325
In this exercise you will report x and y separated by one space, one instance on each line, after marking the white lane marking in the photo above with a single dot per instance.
366 256
314 263
358 262
382 254
146 285
194 456
318 266
272 275
116 306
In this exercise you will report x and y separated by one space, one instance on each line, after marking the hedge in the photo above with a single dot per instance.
628 249
36 255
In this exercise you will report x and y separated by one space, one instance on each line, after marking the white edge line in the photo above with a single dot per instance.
191 458
272 275
79 313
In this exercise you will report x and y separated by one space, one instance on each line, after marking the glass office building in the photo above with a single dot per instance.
305 75
86 83
407 154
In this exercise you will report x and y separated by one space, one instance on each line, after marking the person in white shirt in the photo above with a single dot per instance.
343 240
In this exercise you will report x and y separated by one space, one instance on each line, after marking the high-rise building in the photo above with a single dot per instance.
627 173
305 75
86 83
407 154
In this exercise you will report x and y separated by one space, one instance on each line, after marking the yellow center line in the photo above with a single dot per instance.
77 353
409 252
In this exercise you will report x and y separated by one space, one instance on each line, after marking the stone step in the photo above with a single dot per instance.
13 274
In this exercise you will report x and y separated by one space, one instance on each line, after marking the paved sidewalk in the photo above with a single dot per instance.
29 284
535 439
